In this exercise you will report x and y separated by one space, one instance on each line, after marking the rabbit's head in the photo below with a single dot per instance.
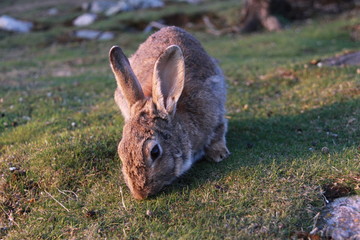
153 145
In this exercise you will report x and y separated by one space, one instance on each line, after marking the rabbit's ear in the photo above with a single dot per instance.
125 77
168 79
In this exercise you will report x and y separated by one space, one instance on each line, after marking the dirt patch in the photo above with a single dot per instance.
341 187
336 190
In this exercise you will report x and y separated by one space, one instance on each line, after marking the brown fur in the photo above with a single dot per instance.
195 125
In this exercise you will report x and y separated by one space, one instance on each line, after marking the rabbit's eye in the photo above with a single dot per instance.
155 152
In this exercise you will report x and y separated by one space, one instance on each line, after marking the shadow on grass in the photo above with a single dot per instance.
280 139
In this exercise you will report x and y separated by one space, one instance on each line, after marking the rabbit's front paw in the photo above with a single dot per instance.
217 152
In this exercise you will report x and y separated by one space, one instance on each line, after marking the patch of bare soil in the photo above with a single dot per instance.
336 190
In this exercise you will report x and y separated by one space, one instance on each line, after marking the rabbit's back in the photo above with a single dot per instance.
198 64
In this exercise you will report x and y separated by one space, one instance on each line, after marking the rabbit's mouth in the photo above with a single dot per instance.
149 190
139 195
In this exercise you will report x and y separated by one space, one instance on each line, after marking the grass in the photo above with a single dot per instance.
59 129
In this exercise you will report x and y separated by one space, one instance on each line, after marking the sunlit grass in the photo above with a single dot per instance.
59 130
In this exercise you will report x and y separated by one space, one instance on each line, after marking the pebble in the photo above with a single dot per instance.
93 34
53 12
101 6
106 36
119 7
325 150
85 19
110 8
332 134
149 213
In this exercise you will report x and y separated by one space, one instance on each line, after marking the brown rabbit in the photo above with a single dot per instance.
172 95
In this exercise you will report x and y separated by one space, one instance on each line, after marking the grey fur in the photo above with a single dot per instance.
192 127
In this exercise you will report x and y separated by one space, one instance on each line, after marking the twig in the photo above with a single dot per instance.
10 217
316 218
122 198
68 191
57 201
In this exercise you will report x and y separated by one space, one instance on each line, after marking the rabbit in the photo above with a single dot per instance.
172 96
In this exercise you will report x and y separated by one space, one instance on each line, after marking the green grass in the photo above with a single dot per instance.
59 127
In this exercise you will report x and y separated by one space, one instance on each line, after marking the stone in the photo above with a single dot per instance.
85 19
93 34
352 58
53 12
8 23
87 34
106 36
101 6
119 7
325 150
340 219
110 8
146 3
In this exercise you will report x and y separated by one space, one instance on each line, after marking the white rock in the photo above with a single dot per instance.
53 12
87 34
113 7
137 4
13 25
119 7
93 34
106 36
152 4
26 118
101 6
340 219
85 19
